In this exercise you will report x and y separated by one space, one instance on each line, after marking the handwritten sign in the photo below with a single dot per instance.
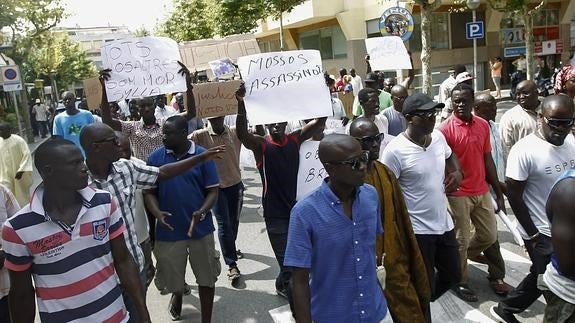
216 99
387 53
142 67
222 67
284 86
311 172
198 53
93 92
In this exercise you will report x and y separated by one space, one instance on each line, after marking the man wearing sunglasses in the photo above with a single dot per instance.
534 164
407 290
331 240
426 169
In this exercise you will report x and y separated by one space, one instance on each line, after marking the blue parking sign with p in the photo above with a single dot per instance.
474 30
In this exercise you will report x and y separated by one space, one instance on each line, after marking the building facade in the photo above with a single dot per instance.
338 28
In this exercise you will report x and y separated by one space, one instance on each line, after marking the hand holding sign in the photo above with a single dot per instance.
387 53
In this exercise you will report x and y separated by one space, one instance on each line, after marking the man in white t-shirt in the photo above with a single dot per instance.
369 100
558 283
356 82
520 120
419 158
163 111
534 164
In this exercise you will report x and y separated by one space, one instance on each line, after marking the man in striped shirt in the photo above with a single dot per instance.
69 240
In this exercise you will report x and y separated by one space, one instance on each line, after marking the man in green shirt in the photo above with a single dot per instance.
371 81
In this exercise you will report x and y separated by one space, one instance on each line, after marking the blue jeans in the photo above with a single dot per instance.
227 211
277 229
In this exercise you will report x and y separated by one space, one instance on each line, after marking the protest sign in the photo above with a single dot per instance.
222 67
216 98
334 126
283 86
310 172
387 53
142 67
93 92
198 53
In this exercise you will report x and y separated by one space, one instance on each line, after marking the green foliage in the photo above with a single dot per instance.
141 32
200 19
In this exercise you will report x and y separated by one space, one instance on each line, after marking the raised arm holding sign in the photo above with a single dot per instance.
283 86
142 67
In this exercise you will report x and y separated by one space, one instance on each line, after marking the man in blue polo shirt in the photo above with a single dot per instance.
331 240
182 205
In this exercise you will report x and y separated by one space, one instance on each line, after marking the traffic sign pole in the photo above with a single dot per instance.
20 132
474 56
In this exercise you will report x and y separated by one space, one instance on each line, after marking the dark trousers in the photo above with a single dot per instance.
526 293
227 211
495 263
278 232
43 128
441 252
4 310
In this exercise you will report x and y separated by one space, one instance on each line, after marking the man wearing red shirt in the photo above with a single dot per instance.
468 137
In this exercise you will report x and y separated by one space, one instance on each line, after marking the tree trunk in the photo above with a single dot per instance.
529 44
426 48
281 32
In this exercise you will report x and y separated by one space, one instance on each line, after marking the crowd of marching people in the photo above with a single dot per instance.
129 201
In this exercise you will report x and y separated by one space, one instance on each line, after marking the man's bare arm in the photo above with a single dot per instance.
251 141
105 106
21 299
301 295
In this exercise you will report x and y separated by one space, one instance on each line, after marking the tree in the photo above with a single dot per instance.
190 20
526 11
141 32
427 8
237 17
277 9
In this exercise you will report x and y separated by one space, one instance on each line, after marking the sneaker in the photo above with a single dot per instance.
234 274
501 316
239 254
500 287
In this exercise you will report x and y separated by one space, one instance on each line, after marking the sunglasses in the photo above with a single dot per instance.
113 140
559 123
368 141
426 114
355 162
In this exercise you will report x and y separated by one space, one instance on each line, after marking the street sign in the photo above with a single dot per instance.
513 51
11 78
474 30
12 87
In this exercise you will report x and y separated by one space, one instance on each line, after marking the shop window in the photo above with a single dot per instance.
329 41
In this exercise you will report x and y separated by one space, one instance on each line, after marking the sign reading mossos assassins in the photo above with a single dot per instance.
396 21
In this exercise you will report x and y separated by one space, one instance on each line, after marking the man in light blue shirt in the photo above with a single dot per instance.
396 121
69 123
331 240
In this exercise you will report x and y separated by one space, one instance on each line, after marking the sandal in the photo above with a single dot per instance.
465 293
175 307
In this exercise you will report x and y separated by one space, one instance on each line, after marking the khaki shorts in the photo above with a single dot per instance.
171 259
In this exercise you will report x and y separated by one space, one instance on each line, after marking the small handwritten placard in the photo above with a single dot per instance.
216 98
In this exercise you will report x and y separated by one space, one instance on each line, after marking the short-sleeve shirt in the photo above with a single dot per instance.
69 126
384 102
72 266
127 176
143 138
229 166
184 194
515 124
470 141
396 121
41 112
340 254
421 174
539 163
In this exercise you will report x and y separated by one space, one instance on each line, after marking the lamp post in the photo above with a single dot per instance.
473 5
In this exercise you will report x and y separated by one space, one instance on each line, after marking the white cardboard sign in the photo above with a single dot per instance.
311 171
282 86
141 67
387 53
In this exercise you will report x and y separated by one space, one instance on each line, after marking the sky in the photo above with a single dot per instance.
131 13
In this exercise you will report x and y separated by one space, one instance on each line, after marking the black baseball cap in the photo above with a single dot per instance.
420 102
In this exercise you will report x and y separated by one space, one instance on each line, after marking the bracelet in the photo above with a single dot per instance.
534 236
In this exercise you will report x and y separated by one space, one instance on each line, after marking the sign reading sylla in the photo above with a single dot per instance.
396 21
474 30
284 86
216 99
142 67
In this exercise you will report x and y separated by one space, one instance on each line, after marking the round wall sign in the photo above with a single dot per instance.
10 74
396 21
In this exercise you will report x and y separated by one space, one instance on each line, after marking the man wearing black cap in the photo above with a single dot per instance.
372 81
420 157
